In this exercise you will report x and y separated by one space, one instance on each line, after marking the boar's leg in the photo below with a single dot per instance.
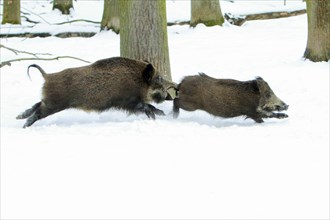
276 115
281 115
41 111
28 112
176 108
33 118
149 110
185 103
257 119
266 114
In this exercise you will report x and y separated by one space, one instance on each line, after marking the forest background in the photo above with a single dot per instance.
110 165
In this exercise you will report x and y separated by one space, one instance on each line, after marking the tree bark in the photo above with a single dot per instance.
110 18
207 12
143 33
11 12
318 43
63 5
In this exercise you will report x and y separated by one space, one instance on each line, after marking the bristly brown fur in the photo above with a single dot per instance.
228 98
118 82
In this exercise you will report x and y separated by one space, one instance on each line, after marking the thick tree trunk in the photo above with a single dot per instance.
63 5
11 12
143 33
207 12
318 43
110 18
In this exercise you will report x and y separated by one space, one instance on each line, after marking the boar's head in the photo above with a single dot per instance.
157 86
268 100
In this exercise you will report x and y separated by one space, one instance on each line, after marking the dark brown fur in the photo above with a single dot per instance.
228 98
118 82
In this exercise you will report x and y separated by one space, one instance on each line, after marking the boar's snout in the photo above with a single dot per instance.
278 107
159 89
282 107
268 100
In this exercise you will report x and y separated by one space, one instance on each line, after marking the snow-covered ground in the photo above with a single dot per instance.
88 166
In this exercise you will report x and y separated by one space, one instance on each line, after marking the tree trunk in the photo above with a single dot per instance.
143 33
318 43
63 5
207 12
11 12
110 18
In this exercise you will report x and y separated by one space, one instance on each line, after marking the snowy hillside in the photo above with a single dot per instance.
78 165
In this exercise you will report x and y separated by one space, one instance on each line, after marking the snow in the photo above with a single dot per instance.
111 165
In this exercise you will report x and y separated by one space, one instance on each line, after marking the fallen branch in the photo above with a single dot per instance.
78 20
178 23
16 27
28 20
36 15
44 34
19 51
241 19
8 62
233 19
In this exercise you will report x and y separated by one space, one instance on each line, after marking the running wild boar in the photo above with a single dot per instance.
118 82
228 98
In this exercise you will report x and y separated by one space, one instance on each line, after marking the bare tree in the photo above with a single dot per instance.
11 12
318 43
143 33
110 18
207 12
63 5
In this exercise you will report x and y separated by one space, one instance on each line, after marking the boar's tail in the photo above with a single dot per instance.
43 73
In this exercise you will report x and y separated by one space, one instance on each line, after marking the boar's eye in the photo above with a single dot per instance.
159 79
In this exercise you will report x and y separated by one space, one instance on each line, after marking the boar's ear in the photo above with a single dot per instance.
148 73
258 84
259 78
255 86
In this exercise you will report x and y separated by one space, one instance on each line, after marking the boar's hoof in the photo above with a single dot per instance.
258 120
156 110
275 115
33 118
149 110
280 115
27 113
20 116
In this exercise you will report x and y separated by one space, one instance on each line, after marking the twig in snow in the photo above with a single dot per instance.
8 62
36 15
20 51
29 20
78 20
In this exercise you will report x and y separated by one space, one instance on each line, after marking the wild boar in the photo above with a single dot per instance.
228 98
118 82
